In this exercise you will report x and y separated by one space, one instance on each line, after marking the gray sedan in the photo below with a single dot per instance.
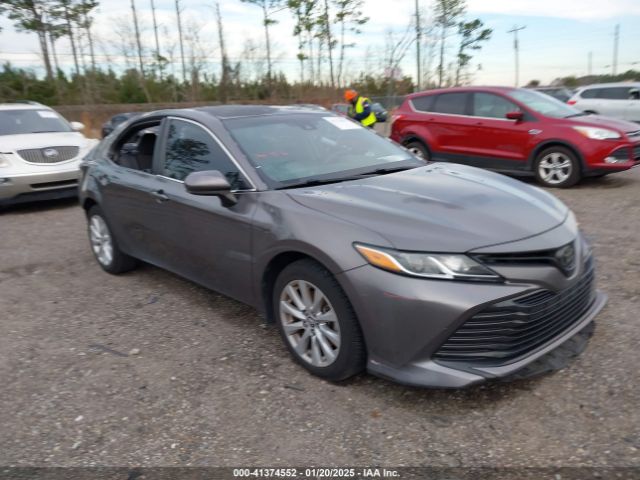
436 275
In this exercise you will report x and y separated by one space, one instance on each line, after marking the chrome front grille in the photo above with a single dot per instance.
49 154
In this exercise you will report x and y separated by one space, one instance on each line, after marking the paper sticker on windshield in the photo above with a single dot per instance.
47 114
342 123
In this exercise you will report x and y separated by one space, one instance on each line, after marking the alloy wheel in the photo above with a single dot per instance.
310 323
555 168
101 242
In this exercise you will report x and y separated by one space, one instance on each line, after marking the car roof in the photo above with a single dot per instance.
612 84
224 112
23 106
490 89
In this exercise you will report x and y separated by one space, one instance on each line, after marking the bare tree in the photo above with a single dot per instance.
180 40
350 18
30 16
396 48
447 13
224 60
268 7
139 49
471 36
155 33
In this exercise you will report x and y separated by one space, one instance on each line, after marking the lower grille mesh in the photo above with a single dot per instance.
512 328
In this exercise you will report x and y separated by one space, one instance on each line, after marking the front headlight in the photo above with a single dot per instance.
598 133
444 266
4 161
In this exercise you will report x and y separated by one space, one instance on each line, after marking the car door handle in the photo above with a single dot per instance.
159 196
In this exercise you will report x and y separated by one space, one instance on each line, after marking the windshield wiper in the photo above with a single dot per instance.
382 171
46 131
317 181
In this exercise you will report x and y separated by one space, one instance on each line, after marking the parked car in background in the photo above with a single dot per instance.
380 112
438 275
39 153
618 100
110 125
340 109
516 131
559 93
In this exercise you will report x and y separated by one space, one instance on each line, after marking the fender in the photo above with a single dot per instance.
555 141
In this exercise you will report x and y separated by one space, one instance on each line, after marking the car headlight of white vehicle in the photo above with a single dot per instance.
598 133
4 161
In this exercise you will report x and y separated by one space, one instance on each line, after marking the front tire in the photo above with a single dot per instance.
317 322
104 245
419 150
557 167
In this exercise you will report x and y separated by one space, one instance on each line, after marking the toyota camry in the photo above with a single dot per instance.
437 275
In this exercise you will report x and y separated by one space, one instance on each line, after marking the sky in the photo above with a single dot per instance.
558 38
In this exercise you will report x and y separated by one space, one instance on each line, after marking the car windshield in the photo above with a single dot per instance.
544 104
289 150
15 122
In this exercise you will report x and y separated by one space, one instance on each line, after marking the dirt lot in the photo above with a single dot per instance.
149 369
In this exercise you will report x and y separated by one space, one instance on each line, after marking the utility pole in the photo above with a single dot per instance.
616 39
516 47
590 64
418 40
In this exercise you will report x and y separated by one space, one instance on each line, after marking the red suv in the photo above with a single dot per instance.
516 131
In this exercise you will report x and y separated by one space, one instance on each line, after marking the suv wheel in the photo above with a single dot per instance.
419 150
104 245
316 321
557 167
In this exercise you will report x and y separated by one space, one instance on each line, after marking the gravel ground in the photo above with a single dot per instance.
150 369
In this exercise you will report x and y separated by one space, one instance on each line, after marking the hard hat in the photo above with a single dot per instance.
350 95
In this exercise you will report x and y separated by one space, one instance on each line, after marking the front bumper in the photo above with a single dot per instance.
406 320
38 186
606 159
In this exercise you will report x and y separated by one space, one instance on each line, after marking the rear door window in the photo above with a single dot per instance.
423 104
590 93
615 93
451 103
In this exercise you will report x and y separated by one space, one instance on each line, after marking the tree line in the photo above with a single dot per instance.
324 32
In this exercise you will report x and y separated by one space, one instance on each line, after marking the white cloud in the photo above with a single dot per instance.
573 9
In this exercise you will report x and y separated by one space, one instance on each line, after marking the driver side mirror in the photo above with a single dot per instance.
515 115
211 183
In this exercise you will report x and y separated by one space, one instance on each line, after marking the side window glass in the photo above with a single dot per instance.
590 93
423 104
452 103
615 93
191 148
492 106
135 150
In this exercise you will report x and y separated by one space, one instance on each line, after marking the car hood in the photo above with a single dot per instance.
439 208
605 122
11 143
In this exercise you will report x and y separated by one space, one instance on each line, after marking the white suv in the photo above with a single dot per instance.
619 100
40 153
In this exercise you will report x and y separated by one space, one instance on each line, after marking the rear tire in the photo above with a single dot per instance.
105 246
557 167
317 322
419 149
